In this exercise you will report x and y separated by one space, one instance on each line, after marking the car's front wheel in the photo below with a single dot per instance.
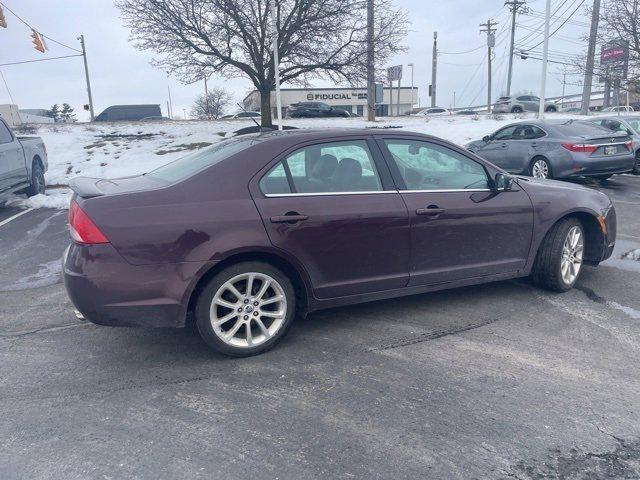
560 256
245 309
516 109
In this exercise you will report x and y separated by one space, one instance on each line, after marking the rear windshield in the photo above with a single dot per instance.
581 129
186 166
635 124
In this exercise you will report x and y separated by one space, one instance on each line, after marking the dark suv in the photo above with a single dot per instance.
314 110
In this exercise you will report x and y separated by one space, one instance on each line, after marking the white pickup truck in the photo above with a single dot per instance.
23 162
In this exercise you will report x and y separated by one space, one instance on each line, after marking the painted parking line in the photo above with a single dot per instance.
17 215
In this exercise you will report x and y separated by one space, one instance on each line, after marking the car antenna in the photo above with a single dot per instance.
262 129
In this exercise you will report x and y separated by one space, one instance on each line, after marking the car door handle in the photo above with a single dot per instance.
431 211
290 217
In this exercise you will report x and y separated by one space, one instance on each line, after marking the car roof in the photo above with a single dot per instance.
302 134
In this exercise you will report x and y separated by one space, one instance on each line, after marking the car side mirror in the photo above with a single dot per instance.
502 183
486 138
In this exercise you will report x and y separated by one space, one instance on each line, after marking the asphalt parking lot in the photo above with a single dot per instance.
495 381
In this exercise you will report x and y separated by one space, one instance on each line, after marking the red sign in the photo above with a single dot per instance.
613 54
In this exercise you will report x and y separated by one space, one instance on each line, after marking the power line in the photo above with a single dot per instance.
36 30
561 25
7 87
39 60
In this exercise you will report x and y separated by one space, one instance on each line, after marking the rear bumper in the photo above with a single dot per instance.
109 291
502 108
586 167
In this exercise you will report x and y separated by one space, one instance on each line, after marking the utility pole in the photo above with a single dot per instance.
545 57
514 6
206 97
371 74
491 42
86 74
591 54
276 63
170 103
434 69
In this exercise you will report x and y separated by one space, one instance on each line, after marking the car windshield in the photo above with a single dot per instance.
186 166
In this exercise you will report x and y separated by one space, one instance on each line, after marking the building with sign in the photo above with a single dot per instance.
353 100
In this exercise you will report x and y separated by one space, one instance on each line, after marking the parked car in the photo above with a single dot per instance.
23 163
120 113
253 230
241 115
434 112
314 110
522 103
624 124
621 108
560 149
466 112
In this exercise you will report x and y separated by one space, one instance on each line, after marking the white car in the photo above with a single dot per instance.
434 112
241 115
621 108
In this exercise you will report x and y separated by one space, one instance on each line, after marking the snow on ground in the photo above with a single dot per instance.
111 150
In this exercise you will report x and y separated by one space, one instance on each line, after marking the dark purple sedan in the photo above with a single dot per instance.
256 229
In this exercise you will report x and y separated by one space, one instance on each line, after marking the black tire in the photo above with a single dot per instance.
516 109
636 167
546 272
551 109
542 159
205 299
38 185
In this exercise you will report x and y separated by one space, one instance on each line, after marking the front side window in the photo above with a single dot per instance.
336 167
527 132
506 133
428 166
5 134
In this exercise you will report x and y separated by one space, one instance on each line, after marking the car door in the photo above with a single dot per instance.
12 164
523 145
460 228
495 149
332 205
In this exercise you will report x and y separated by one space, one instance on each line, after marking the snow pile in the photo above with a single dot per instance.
111 150
632 255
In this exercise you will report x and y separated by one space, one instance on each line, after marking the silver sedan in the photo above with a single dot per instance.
629 124
558 149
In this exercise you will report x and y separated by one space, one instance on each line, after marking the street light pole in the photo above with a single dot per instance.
276 63
371 78
545 57
412 102
86 74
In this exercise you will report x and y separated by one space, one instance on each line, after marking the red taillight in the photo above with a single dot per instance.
580 147
82 228
629 145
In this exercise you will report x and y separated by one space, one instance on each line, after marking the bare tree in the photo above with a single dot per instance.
316 39
213 106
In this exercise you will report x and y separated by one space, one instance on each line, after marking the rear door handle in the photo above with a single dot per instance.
431 211
291 218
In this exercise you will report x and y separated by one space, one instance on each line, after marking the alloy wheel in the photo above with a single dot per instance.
540 169
248 310
572 252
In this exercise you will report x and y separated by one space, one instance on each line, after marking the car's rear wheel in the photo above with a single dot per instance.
636 167
560 256
245 309
38 185
540 168
551 109
516 109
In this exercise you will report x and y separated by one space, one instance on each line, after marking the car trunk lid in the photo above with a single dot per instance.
87 187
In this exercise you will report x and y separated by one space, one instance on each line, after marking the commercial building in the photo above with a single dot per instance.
353 100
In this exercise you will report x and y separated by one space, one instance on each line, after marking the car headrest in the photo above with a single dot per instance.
324 167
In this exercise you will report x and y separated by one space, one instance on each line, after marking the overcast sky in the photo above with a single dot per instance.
121 74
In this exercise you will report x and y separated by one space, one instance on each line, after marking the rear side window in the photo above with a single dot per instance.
336 167
189 164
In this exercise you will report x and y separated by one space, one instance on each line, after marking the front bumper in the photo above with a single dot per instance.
107 290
